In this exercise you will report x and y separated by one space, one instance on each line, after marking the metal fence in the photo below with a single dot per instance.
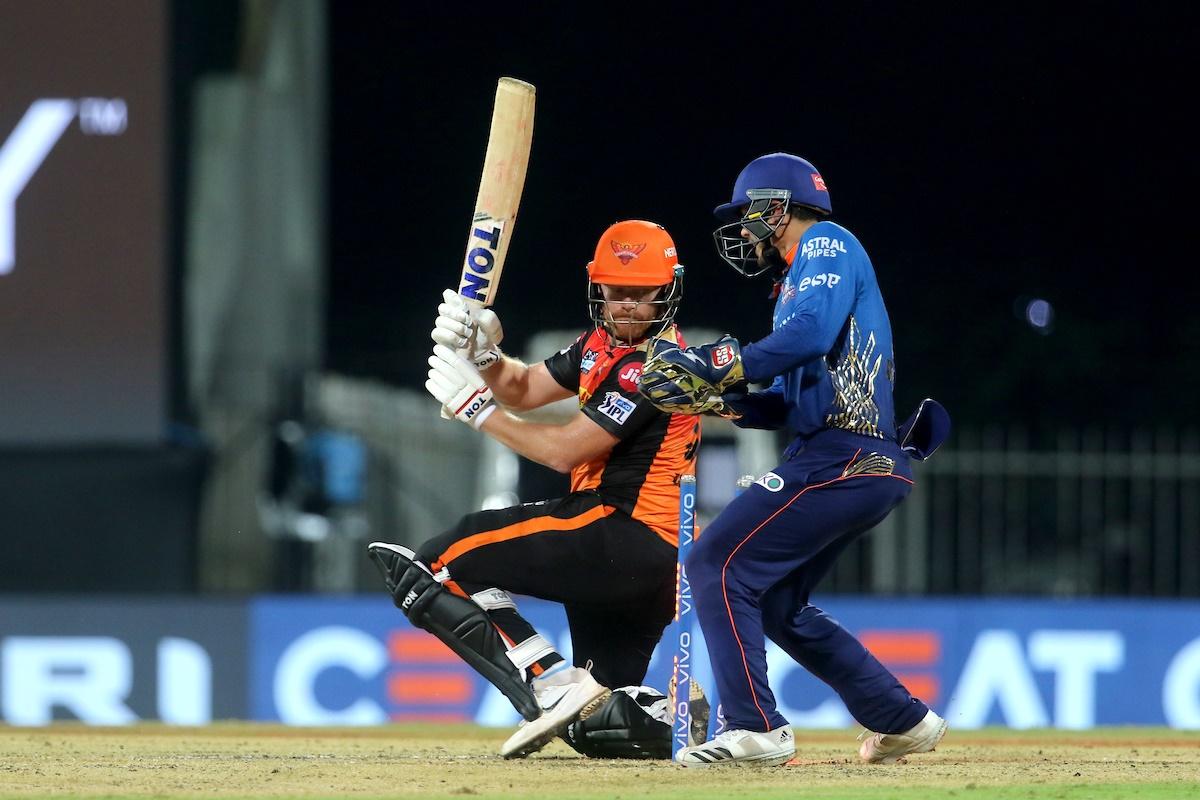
423 473
1097 513
1088 513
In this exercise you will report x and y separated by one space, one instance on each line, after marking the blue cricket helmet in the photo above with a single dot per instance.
777 171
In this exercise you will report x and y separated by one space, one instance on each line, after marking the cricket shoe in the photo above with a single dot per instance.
886 748
565 695
740 747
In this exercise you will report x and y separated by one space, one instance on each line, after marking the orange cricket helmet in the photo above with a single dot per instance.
636 253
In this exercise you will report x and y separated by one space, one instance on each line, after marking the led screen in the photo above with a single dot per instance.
82 221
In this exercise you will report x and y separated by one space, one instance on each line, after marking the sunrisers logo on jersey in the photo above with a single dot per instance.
588 361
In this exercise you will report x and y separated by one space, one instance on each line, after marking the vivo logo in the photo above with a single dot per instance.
33 139
683 686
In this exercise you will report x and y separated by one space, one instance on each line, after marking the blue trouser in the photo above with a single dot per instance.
753 568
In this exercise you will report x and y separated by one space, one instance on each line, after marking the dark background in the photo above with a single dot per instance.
983 157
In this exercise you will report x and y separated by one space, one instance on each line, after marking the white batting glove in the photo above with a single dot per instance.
457 385
474 333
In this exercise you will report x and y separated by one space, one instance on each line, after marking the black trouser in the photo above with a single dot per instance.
613 574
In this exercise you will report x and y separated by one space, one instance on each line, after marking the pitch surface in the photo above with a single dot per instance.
431 761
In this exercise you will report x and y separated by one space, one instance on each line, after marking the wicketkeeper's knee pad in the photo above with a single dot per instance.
633 723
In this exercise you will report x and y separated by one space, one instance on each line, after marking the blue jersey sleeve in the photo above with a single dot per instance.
767 409
825 291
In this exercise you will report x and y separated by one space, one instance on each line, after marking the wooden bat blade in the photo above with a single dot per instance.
500 188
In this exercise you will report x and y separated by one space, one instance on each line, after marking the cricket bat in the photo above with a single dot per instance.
500 188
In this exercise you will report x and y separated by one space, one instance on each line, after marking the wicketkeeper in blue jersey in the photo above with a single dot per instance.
830 370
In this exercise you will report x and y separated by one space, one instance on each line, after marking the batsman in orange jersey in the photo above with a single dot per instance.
607 550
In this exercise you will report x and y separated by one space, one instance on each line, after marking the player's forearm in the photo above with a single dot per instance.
553 446
508 379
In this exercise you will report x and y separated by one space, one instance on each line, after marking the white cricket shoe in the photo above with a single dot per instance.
886 748
565 696
768 749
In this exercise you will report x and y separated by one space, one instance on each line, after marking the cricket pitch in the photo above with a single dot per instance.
235 760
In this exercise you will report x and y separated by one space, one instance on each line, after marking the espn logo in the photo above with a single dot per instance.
829 279
722 356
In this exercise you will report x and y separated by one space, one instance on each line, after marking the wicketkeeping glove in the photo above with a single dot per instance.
692 380
457 385
475 333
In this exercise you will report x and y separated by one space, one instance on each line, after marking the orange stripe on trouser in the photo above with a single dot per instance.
725 567
517 530
508 533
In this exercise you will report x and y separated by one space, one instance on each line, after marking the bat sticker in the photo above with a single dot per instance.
485 241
